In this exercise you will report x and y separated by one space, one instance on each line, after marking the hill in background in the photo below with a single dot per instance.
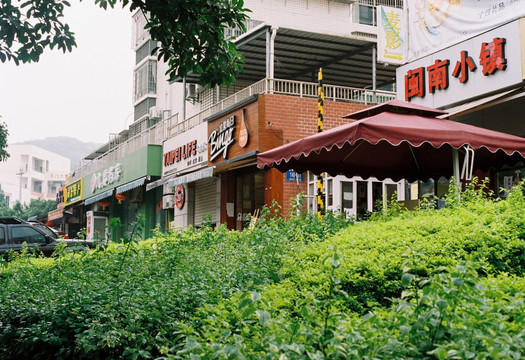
69 147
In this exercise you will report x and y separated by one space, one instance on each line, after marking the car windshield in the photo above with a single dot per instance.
46 230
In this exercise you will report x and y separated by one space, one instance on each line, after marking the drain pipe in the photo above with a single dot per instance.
374 60
271 58
184 99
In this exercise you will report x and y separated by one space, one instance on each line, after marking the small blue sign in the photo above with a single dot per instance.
292 175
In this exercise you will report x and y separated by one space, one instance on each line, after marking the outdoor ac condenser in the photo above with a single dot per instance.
96 225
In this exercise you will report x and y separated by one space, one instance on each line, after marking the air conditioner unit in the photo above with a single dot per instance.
168 201
154 112
192 93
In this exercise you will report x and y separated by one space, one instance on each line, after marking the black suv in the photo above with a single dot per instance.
15 234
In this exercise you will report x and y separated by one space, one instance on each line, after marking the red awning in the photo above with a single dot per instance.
395 140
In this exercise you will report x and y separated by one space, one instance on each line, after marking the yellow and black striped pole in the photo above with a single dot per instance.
320 118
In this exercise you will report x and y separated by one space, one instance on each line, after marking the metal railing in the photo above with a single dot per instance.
171 126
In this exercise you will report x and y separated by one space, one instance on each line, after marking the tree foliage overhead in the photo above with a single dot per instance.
190 33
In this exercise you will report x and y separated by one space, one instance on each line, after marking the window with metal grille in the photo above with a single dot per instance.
143 107
145 50
145 79
366 10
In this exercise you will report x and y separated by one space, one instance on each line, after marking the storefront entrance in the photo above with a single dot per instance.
249 196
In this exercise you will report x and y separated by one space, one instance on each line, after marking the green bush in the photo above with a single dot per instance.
127 300
430 284
454 314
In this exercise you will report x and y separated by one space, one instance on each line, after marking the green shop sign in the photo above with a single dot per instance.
140 163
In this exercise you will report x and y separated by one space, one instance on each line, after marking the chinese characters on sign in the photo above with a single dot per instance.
391 39
106 177
492 56
73 192
491 59
463 67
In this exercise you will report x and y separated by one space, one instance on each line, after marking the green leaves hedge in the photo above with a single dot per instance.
430 284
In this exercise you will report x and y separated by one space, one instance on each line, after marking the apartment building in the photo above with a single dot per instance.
203 142
32 173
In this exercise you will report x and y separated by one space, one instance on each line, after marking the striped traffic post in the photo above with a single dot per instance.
320 119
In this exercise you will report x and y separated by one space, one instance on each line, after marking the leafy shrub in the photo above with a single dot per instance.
289 289
454 314
128 299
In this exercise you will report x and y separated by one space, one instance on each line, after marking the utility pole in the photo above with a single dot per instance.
20 173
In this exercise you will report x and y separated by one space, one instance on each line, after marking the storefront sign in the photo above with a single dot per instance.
292 175
185 150
480 65
437 24
221 139
73 192
391 38
179 196
107 177
197 175
180 153
55 214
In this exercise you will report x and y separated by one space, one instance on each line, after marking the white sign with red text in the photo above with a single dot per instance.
185 151
472 68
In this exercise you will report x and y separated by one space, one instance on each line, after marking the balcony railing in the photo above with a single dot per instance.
171 126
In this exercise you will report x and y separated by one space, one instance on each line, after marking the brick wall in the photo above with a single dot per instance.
284 119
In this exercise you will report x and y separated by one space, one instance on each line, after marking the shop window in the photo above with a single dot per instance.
347 195
427 189
391 190
377 195
249 197
506 179
2 237
362 199
329 192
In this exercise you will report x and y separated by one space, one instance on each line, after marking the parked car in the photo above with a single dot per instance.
15 234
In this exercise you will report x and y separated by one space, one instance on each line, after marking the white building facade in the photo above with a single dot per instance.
31 172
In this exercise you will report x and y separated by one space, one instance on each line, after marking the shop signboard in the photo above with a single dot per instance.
435 25
472 68
185 151
140 163
106 177
73 192
293 176
234 134
222 138
55 214
391 37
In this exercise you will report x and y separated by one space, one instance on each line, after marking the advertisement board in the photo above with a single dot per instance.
436 24
185 151
391 37
472 68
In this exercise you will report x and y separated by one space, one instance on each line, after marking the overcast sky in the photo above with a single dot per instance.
85 94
